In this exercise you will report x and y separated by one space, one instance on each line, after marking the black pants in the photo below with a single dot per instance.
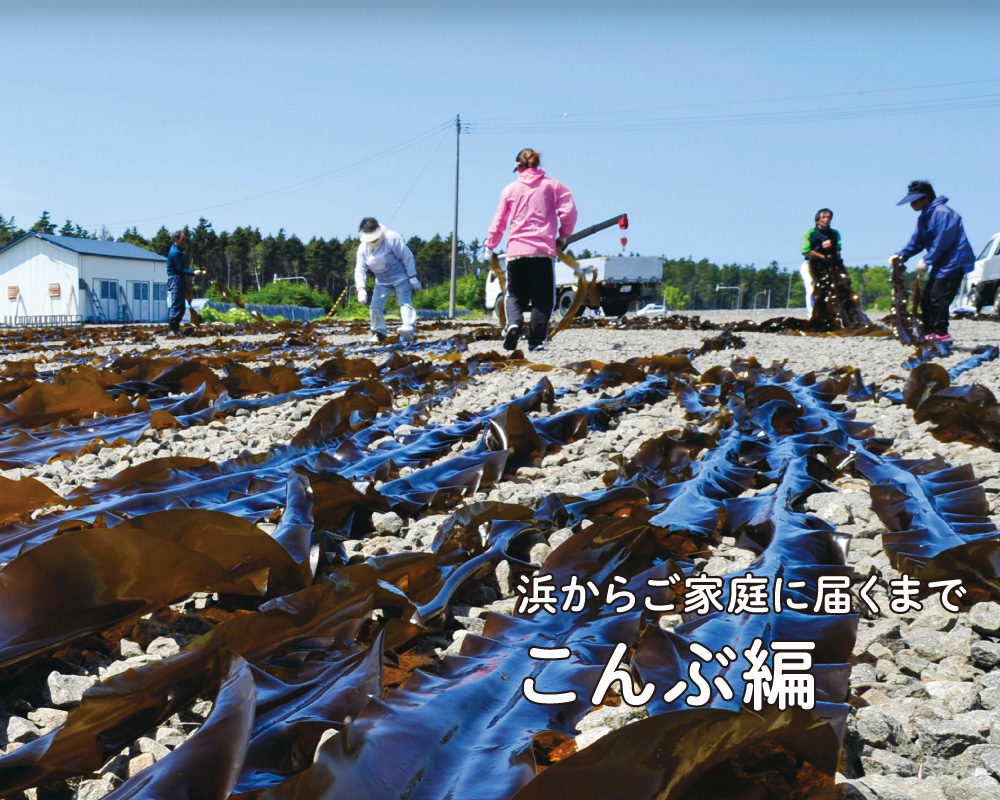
937 296
531 281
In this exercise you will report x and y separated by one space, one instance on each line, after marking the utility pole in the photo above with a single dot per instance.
454 229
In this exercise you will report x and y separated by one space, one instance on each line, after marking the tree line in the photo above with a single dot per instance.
245 261
701 286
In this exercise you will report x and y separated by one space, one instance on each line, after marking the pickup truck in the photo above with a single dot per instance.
979 287
622 283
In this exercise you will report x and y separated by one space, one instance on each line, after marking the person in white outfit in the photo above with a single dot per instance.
385 255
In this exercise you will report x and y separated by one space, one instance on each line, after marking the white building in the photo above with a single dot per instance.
54 280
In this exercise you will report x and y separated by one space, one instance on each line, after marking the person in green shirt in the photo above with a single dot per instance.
819 243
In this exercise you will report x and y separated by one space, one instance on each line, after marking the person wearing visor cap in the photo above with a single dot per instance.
385 255
949 255
542 216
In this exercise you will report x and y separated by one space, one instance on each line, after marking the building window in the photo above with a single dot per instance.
140 291
55 290
159 292
109 290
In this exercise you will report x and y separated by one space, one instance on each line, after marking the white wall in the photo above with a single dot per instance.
124 270
32 266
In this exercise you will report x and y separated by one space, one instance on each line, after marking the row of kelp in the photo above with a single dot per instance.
313 657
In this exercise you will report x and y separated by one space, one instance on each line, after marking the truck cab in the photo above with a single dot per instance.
979 287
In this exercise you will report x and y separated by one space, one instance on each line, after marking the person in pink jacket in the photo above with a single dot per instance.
542 215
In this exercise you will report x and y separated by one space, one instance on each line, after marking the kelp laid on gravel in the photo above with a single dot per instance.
305 642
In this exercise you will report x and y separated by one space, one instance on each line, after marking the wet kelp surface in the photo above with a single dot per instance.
302 641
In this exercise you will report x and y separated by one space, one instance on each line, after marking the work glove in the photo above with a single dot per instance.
415 284
561 244
894 259
199 272
363 296
921 268
488 255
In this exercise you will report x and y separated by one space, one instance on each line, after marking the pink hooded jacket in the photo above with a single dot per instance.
540 210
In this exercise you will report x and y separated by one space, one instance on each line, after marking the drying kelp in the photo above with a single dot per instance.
353 654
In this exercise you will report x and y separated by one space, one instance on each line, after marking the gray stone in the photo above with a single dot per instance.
94 789
170 737
932 645
539 552
22 730
883 762
957 696
471 624
885 787
934 617
67 690
884 631
163 646
910 663
150 746
945 738
985 655
590 736
989 697
878 729
503 577
129 649
831 507
559 537
978 787
389 524
985 618
48 718
978 720
613 717
863 675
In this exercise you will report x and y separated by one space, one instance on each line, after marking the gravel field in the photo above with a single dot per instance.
925 685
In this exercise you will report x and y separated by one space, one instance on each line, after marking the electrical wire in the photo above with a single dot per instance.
823 96
298 184
420 175
733 120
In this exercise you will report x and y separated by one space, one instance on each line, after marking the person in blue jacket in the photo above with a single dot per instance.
949 255
177 273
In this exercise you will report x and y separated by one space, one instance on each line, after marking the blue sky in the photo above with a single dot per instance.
720 127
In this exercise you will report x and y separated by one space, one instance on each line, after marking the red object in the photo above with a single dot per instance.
623 224
624 242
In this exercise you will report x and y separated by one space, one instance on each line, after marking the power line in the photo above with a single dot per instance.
733 120
419 176
822 96
298 184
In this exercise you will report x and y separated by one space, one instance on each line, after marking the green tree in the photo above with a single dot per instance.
9 231
162 241
675 299
44 224
132 236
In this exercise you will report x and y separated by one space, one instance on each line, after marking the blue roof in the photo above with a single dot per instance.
93 247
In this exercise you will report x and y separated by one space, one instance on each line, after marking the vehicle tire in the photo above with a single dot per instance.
615 308
986 296
564 302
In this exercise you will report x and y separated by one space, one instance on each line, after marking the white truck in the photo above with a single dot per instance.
623 283
979 287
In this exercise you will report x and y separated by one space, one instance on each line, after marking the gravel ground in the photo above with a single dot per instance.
925 686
